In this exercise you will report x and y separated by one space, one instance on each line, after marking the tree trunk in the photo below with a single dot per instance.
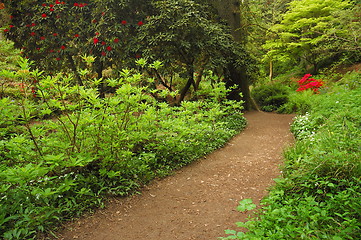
229 10
270 69
99 70
74 69
189 83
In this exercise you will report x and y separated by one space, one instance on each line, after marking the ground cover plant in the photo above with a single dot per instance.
63 149
319 194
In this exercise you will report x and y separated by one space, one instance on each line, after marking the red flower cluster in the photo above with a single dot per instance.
309 83
80 5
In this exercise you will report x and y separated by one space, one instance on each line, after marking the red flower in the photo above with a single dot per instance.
95 40
51 50
51 9
94 21
103 43
11 16
44 5
76 4
76 35
96 33
109 48
43 15
38 48
57 2
140 23
42 38
51 5
103 53
11 26
124 22
33 24
6 30
63 47
57 59
55 34
32 33
116 40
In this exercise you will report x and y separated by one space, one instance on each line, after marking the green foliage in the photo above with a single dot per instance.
319 196
271 97
315 33
70 149
56 34
298 102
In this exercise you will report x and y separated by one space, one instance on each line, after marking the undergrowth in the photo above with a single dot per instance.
64 150
319 194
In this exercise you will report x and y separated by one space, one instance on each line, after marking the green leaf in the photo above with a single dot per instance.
246 205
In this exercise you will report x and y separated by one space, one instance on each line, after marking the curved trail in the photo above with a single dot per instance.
199 201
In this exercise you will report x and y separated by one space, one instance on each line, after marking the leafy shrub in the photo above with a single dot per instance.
271 97
96 147
298 102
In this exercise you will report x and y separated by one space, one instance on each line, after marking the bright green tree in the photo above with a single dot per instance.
310 32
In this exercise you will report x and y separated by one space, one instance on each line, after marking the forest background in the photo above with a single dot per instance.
98 98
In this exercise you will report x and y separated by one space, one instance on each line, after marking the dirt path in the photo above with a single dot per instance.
199 201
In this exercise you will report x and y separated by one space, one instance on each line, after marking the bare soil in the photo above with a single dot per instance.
199 201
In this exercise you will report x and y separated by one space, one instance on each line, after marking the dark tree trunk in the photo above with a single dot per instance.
99 70
189 83
74 69
229 10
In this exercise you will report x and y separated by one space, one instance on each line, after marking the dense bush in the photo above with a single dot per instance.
63 149
271 97
319 196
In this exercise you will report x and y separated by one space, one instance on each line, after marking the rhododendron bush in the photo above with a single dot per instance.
55 34
306 82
